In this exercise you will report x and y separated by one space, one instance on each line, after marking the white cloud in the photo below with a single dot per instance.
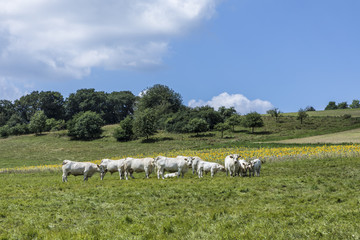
64 38
9 90
241 103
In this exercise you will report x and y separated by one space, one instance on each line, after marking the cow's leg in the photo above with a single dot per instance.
131 175
179 172
126 175
158 173
120 173
146 172
212 172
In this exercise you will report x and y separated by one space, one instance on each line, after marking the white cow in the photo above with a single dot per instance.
78 168
232 164
108 165
243 167
171 175
179 164
255 166
211 167
195 163
138 165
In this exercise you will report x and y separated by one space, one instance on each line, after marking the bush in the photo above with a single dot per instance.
19 129
4 131
346 116
85 126
125 130
38 122
197 125
54 125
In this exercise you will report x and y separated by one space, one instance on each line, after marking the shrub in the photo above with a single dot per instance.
54 125
19 129
4 131
85 126
346 116
38 122
253 120
124 132
197 125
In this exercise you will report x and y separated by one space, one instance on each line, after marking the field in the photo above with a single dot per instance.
304 191
288 201
330 113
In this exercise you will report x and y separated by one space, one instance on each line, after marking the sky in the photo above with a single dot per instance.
253 55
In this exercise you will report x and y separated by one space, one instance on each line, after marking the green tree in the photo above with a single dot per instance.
144 123
253 120
355 104
221 127
161 99
38 122
118 106
343 105
85 126
275 113
124 132
209 114
233 121
27 106
331 106
7 109
226 112
310 109
197 125
52 103
302 115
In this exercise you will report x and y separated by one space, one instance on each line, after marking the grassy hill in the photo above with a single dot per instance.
330 113
54 147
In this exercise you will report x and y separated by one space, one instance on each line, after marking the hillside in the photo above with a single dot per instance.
329 113
53 147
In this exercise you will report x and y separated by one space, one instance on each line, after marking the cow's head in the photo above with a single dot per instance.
189 161
103 171
221 168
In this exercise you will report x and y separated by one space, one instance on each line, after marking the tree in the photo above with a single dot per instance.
233 121
310 109
85 126
331 106
209 114
6 111
197 125
27 105
302 115
253 120
118 106
355 104
343 105
38 122
52 103
226 112
161 99
275 113
144 123
124 132
222 127
85 100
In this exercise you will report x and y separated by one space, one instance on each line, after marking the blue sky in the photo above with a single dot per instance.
254 55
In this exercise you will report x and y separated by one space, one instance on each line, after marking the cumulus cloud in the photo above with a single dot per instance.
63 38
241 103
9 91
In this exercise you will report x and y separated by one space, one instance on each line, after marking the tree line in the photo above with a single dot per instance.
84 113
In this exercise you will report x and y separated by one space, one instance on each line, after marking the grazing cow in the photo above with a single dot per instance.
78 168
195 163
243 167
108 165
232 164
179 164
138 165
211 167
255 166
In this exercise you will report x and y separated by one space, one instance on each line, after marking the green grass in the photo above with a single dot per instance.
329 113
53 148
289 201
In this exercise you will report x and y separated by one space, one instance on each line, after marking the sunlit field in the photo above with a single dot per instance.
303 192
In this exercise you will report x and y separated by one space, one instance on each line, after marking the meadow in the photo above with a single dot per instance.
306 199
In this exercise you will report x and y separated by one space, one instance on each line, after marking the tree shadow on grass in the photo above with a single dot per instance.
203 135
154 140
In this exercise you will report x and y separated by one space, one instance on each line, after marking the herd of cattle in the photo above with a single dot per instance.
234 166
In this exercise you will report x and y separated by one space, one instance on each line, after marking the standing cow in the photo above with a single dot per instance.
255 166
179 164
138 165
211 167
78 168
232 164
108 165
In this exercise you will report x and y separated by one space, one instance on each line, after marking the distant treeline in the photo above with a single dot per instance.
159 107
343 105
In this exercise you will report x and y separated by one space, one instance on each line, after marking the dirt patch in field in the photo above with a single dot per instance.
351 136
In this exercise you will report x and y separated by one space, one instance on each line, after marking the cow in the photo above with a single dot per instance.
171 175
195 163
78 168
232 164
211 167
179 164
138 165
108 165
255 166
243 167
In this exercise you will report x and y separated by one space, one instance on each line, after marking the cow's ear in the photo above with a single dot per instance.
231 156
98 166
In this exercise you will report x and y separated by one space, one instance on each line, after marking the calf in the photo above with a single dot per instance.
243 167
255 166
108 165
78 168
211 167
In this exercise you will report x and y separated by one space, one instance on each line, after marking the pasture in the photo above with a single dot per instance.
292 199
